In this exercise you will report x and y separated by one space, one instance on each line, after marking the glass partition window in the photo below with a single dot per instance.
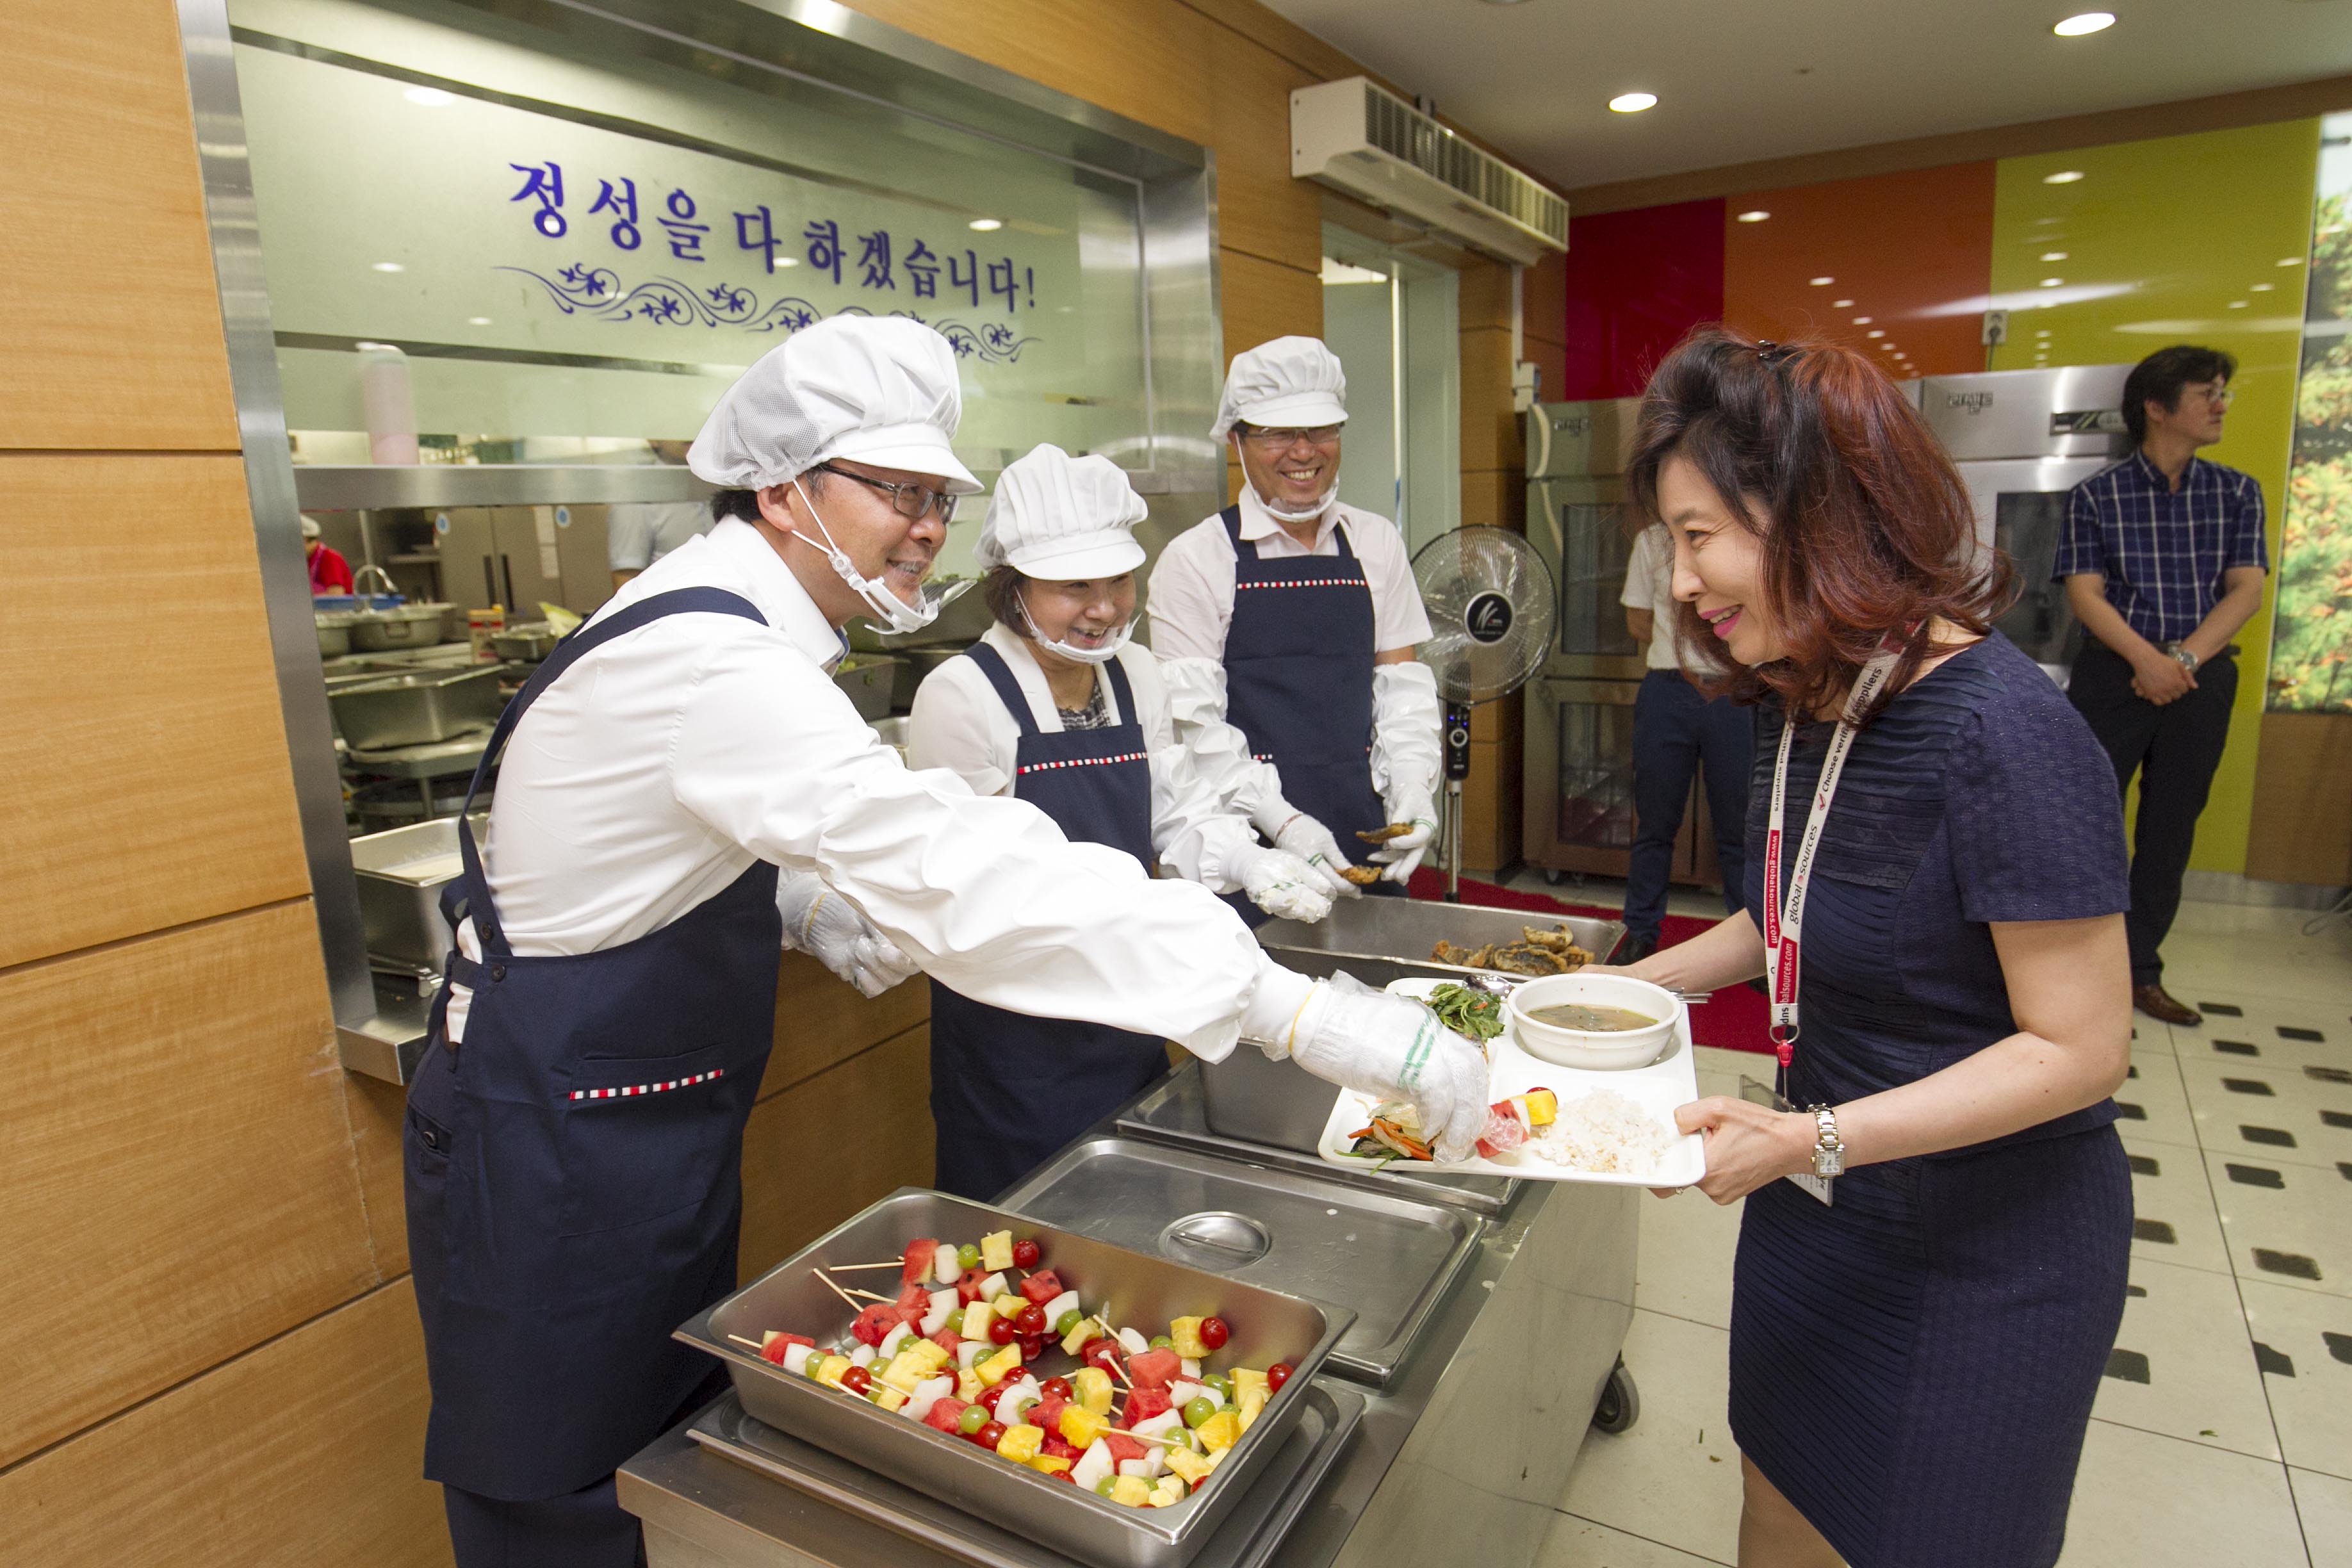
1393 320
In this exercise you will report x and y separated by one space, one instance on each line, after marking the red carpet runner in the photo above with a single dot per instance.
1734 1019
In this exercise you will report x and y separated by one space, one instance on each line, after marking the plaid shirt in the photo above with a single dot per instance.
2162 552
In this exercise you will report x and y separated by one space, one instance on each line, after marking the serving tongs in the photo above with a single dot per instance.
1504 984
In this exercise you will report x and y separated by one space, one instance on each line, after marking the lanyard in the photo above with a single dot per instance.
1784 921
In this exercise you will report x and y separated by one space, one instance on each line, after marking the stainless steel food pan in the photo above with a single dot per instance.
401 875
334 632
1140 1289
416 710
529 643
403 626
1377 941
868 678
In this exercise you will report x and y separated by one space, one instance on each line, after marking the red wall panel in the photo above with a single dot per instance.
1637 282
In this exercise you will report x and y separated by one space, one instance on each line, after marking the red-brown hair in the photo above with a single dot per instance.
1865 525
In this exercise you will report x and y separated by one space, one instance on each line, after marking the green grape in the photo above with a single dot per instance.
966 1255
1068 1320
1221 1383
1162 1342
972 1419
1199 1409
1103 1487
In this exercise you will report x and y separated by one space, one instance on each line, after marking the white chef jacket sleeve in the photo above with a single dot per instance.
1219 751
983 892
1641 571
1408 746
1194 829
958 724
629 536
1190 602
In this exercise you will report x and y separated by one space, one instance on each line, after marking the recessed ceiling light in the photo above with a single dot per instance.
1823 282
478 320
2290 262
1754 214
2053 256
1875 332
1861 321
2042 333
986 224
1840 304
1634 102
2062 177
2052 283
388 266
2085 23
2260 288
2237 304
430 97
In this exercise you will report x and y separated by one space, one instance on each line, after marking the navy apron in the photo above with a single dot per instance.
1008 1090
572 1166
1298 686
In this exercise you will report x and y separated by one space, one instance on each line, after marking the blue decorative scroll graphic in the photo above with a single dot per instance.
597 292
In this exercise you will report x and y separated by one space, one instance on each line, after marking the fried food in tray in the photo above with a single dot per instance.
1362 876
1382 835
1536 953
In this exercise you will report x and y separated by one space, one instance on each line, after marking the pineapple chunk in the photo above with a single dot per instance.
904 1372
1008 1304
1021 1444
1218 1458
929 1353
1075 1340
1543 1107
1000 1366
1079 1426
1252 1404
829 1371
1221 1430
1244 1380
1170 1491
967 1385
975 1322
888 1397
1048 1464
996 1250
1092 1386
1131 1490
1188 1464
1186 1333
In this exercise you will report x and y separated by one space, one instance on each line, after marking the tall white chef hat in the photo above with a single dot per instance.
1285 383
1062 519
309 526
873 389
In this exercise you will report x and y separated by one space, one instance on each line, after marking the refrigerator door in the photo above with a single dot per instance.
529 561
1578 526
2073 412
469 556
1579 774
580 540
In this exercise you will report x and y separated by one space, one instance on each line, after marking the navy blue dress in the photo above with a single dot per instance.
1914 1367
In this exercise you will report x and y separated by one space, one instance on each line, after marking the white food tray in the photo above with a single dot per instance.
1670 1081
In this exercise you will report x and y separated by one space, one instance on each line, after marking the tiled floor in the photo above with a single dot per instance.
2223 1431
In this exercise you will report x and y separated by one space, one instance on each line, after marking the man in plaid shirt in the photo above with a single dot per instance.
2163 559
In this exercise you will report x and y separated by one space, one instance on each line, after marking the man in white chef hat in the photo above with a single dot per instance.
1295 617
684 792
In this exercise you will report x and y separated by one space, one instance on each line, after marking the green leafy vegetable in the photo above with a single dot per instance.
1469 1011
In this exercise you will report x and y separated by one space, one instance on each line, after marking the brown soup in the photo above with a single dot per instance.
1590 1018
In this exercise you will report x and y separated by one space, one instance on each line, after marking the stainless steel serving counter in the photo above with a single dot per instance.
1489 1401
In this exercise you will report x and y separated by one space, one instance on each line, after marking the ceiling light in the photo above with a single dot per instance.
2290 262
430 97
1634 102
2042 333
1875 332
478 320
2086 23
2260 288
1861 321
388 266
2237 304
2062 177
2053 282
1840 304
1823 282
986 224
2053 256
1754 214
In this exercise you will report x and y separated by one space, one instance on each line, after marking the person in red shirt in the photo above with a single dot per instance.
330 573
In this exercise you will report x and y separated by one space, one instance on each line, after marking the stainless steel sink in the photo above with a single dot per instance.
1389 1259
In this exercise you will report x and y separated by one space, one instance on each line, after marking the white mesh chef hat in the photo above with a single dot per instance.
1287 384
873 389
1062 519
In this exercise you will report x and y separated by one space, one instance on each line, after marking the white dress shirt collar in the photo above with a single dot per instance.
1259 523
773 587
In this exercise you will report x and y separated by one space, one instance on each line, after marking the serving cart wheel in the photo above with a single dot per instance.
1621 1403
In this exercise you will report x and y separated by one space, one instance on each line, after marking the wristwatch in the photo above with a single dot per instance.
2181 655
1829 1149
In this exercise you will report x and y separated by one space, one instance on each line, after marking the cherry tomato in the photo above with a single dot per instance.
1031 1346
1030 1319
972 1420
1025 1253
1001 1330
1277 1374
990 1434
1214 1333
857 1380
1057 1388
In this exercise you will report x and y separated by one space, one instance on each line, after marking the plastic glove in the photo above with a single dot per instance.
1310 841
1403 854
1279 882
1393 1047
829 929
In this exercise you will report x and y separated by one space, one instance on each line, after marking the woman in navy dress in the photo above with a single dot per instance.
1913 1363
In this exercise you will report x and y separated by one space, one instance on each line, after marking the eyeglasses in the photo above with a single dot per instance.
907 501
1283 440
2215 396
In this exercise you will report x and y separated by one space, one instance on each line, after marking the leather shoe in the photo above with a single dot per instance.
1633 948
2161 1004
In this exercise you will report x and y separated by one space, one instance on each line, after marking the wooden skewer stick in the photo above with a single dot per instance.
742 1341
870 1295
845 1267
833 1288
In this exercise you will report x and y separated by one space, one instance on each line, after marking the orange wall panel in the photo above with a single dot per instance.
1912 251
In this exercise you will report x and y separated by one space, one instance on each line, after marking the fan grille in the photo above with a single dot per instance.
1492 612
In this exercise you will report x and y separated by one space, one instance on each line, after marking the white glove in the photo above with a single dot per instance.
1393 1047
1279 882
1309 840
829 929
1402 855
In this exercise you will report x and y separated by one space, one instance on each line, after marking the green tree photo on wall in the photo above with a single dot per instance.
2312 641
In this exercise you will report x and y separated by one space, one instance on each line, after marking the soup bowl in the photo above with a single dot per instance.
1599 1048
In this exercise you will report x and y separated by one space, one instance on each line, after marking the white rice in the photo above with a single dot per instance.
1604 1131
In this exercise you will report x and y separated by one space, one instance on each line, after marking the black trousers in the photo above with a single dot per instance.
2175 750
1676 732
587 1528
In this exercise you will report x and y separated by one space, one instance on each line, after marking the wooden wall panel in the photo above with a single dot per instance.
1264 299
143 759
1495 498
1261 208
825 1147
376 1111
2302 828
1490 426
106 268
177 1180
821 1020
304 1453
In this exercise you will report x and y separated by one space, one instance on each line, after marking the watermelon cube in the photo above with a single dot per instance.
1042 1287
1153 1369
944 1413
1144 1403
915 1263
1122 1447
878 1320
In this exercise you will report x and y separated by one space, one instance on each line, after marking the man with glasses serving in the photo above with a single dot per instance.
2163 558
1294 617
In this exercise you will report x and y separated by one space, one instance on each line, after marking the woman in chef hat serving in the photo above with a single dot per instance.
1058 707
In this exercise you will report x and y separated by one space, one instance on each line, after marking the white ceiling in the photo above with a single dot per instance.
1743 79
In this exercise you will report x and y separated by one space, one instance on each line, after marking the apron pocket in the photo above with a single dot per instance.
646 1136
